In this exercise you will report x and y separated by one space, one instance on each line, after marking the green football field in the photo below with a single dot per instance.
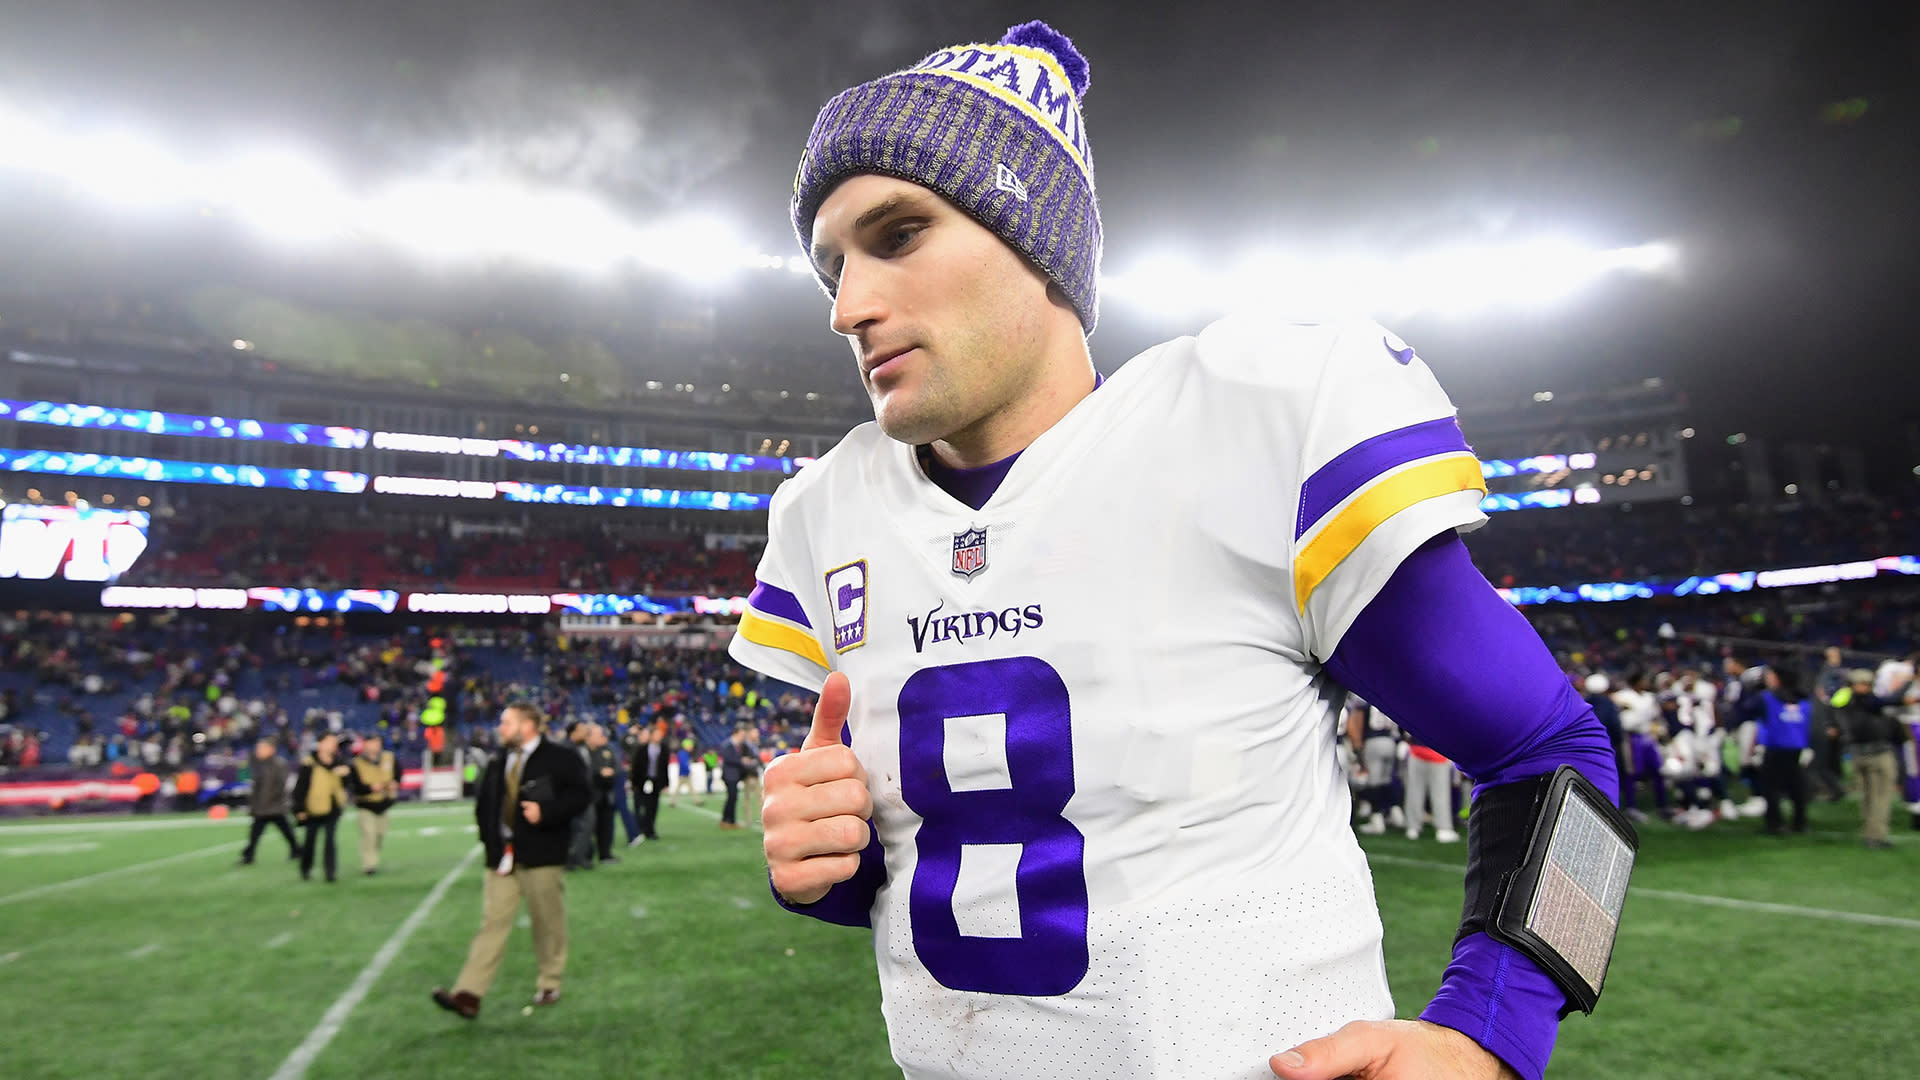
135 948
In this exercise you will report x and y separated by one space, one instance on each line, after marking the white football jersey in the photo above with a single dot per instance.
1638 710
1696 706
1092 711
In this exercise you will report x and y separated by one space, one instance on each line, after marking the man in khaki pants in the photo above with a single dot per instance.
375 781
529 796
1872 736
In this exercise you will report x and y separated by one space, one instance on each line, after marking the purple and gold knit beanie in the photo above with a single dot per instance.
996 130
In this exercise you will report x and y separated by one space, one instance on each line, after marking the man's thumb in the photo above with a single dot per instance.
1346 1052
830 715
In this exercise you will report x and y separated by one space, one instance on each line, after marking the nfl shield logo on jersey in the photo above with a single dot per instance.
969 552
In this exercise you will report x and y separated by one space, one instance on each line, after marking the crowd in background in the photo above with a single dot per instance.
168 693
218 539
1669 540
214 542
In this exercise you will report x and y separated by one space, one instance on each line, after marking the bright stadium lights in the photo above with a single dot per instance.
1457 281
702 248
284 194
127 170
448 221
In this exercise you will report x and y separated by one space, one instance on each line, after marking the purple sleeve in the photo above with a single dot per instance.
1442 654
850 903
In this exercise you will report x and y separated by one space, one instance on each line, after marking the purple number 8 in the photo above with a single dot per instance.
1050 955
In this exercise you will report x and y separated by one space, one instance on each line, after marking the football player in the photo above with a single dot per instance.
1071 758
1375 742
1640 719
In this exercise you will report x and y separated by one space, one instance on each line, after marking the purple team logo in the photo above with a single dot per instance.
847 597
969 552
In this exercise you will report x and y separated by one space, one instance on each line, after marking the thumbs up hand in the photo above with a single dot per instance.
817 805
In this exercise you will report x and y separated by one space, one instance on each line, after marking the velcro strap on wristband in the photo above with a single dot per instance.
1499 826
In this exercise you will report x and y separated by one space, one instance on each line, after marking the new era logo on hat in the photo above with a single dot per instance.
1005 180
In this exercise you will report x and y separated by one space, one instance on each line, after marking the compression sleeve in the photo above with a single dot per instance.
1442 654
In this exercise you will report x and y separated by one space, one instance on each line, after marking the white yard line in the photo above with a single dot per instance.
303 1055
1829 914
279 939
61 886
143 951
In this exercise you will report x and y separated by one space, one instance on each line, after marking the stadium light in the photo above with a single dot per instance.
1455 281
285 195
127 170
290 197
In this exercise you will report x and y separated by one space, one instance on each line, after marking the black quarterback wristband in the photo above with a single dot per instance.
1548 860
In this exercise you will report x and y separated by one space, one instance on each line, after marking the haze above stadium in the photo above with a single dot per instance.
1771 146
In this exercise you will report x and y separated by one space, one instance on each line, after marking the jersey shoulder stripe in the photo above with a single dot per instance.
1367 461
773 634
1398 491
779 603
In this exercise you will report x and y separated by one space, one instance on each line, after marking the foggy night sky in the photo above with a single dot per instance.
1215 127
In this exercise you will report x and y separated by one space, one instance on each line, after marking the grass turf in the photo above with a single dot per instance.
164 957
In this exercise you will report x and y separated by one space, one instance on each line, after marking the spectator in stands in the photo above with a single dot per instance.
267 800
375 782
319 795
1785 717
604 769
1872 735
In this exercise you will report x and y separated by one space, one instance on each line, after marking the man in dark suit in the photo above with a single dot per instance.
529 796
604 768
649 772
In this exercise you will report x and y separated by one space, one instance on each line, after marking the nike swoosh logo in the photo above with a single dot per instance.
1405 356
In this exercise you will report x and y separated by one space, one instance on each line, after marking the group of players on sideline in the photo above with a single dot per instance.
1684 738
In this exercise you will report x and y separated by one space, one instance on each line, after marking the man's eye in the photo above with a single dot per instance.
900 235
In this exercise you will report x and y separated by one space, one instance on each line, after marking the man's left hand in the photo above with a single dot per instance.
1391 1050
530 811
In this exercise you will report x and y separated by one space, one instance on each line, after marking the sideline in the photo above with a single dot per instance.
191 821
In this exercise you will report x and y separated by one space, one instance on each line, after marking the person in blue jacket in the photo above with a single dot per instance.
1784 715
